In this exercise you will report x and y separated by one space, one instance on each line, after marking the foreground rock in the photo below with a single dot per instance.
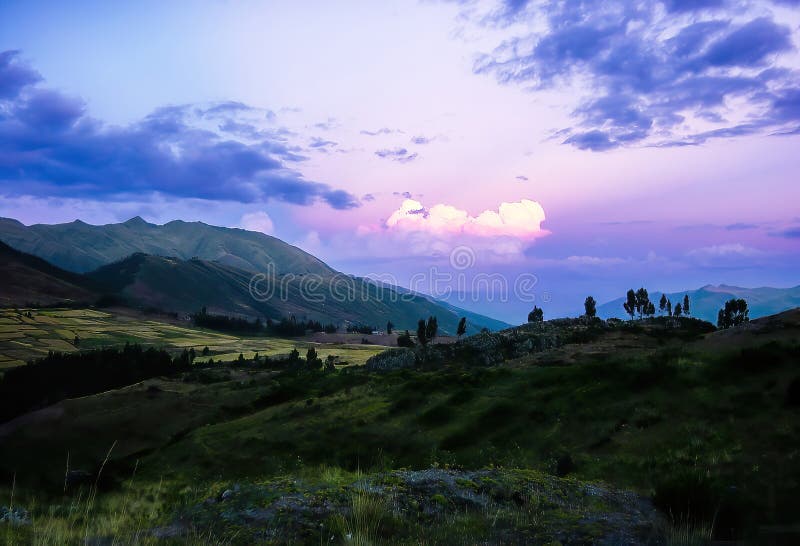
435 505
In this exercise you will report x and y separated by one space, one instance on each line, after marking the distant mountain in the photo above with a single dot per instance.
172 284
705 302
81 247
183 266
29 280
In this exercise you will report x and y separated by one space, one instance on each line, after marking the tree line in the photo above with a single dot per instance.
59 376
637 302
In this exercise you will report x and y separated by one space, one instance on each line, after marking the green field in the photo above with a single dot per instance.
23 338
703 425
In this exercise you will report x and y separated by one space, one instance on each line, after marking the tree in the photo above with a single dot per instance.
642 302
590 306
389 327
330 364
404 340
733 314
431 329
669 308
651 309
537 315
192 355
462 327
630 303
686 304
206 351
678 310
313 361
77 341
421 332
662 303
241 357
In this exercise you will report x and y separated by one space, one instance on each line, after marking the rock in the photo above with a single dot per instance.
14 516
394 359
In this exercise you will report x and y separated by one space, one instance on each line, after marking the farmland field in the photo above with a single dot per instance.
27 334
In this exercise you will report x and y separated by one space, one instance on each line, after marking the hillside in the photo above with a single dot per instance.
544 432
28 280
81 247
705 302
172 284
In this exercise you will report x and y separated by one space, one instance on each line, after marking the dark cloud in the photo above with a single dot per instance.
49 146
788 233
368 197
648 85
14 74
397 154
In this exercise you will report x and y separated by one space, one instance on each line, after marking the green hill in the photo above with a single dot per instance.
28 280
176 285
703 423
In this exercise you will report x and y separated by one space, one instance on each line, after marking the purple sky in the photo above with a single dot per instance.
592 145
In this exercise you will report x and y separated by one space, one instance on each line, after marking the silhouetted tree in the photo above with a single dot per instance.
404 340
389 327
662 303
330 364
241 357
77 341
431 329
462 327
206 351
669 308
678 310
651 309
313 361
421 332
733 314
590 306
192 355
642 302
537 315
630 303
686 304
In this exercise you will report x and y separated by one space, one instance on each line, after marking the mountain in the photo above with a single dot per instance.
82 247
183 266
705 302
29 280
184 286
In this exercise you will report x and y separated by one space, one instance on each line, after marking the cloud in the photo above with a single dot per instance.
321 143
521 220
653 72
724 250
258 221
522 178
49 146
14 74
421 140
741 226
368 197
381 131
788 233
397 154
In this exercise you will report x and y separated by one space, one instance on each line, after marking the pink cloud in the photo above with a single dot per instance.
521 220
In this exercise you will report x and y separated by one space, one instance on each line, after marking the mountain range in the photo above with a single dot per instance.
183 266
705 302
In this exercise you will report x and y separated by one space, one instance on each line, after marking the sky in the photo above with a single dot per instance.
460 148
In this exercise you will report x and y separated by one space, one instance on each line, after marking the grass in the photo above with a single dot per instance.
23 338
708 433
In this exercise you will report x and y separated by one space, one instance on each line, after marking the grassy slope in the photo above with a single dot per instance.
184 286
704 421
27 280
